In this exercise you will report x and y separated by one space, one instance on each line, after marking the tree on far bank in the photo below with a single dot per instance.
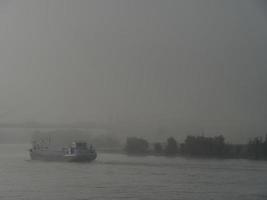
172 147
158 148
257 148
204 146
136 145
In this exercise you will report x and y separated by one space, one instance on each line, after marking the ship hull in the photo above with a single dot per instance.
59 156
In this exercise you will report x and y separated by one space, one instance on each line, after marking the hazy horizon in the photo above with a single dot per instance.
168 68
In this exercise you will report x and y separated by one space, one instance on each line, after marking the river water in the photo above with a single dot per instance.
117 176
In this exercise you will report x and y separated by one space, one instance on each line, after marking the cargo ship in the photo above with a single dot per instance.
78 151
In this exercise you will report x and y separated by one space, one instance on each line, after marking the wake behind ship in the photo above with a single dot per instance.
76 152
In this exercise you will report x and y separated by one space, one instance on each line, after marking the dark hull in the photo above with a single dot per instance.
45 156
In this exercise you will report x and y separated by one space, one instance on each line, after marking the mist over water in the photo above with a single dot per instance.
117 176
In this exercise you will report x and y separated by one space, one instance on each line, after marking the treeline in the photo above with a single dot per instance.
257 148
199 146
204 146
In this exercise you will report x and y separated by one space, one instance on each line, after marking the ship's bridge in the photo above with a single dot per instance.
79 145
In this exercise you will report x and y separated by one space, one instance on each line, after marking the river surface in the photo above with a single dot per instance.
117 176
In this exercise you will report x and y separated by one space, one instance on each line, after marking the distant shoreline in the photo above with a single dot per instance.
116 151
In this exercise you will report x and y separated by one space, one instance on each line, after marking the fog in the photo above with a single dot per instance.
148 68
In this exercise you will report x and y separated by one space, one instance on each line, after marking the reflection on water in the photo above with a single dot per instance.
117 176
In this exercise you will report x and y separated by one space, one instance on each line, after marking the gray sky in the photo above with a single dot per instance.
178 66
